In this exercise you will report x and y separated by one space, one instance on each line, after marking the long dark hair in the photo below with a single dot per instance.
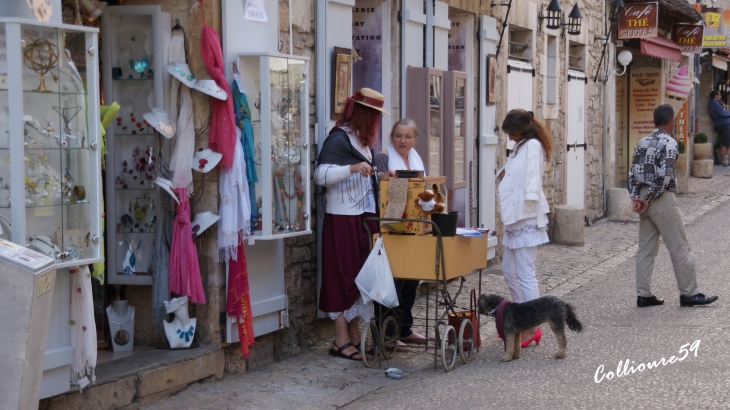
524 123
365 122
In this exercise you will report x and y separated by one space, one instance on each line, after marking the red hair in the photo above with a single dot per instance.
364 122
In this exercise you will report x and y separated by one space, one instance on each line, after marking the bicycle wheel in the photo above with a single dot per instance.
448 350
466 346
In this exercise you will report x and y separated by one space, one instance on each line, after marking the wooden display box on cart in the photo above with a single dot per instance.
414 256
412 211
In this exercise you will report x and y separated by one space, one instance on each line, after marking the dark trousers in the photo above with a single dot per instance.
406 290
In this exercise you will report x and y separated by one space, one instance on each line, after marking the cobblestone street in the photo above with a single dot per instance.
597 278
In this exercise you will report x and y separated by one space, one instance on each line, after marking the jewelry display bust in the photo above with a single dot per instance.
181 330
121 324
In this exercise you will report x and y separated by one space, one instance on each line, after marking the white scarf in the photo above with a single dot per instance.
235 209
182 155
396 163
83 326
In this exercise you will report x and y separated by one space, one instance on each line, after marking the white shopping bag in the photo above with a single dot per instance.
375 279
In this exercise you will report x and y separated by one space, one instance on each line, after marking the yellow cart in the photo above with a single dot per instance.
433 259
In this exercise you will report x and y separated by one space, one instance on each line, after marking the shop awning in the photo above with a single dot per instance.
661 48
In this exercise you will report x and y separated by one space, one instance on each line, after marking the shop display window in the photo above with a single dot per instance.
277 91
49 145
133 69
425 105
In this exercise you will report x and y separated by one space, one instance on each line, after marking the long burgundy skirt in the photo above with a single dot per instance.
345 247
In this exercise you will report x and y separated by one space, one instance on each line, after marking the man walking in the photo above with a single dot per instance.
651 185
721 120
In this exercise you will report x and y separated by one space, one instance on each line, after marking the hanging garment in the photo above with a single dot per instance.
243 121
222 133
234 211
83 326
182 156
160 286
238 301
184 277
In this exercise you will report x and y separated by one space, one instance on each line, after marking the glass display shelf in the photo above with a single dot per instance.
54 92
7 206
28 149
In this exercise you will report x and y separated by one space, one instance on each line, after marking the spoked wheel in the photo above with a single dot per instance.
389 342
466 341
370 344
448 350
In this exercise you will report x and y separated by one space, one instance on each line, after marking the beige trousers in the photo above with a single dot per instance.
664 218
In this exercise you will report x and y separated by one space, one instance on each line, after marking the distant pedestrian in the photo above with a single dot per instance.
652 184
721 121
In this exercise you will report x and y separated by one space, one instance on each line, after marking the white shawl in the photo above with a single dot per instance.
396 163
184 139
235 209
83 326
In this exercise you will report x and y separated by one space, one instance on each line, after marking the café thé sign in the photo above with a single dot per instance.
638 21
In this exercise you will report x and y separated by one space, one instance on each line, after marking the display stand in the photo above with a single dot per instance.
121 325
135 40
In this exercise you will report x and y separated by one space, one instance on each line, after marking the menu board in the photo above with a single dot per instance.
644 95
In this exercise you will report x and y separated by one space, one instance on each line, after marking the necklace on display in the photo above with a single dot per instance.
203 161
121 337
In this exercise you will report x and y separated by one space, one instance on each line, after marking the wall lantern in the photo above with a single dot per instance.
624 58
554 11
616 8
554 18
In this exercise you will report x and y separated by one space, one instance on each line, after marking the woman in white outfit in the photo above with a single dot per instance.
523 206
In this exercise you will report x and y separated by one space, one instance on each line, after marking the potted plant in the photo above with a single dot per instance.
681 164
702 148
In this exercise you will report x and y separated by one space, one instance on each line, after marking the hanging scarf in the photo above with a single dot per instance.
234 211
222 132
243 121
184 276
182 156
83 325
160 286
238 301
395 161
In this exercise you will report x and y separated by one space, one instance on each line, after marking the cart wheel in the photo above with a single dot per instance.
466 346
389 343
369 344
448 350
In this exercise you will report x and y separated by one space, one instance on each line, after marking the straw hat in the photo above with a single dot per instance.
369 98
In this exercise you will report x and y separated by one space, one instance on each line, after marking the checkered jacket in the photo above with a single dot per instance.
653 165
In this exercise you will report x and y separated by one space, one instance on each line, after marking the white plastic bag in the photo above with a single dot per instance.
375 279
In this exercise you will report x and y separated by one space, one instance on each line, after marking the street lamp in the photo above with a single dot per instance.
574 20
554 18
624 58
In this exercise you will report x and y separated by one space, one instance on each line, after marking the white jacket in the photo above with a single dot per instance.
520 191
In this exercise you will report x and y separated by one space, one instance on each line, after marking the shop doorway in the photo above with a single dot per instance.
519 88
575 157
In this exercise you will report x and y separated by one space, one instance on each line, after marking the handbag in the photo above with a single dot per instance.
375 280
471 315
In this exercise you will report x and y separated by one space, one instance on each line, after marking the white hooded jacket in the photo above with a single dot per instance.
520 192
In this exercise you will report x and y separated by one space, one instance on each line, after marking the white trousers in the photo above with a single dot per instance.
518 268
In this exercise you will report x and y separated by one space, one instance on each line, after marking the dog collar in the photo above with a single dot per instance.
493 312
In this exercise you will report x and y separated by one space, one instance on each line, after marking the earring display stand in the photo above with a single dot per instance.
135 40
121 325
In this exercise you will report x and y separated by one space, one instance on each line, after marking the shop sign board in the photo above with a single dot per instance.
717 22
457 43
367 42
688 37
645 85
254 10
638 21
682 124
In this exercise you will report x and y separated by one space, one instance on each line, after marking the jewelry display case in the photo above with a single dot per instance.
455 158
277 89
50 178
134 44
424 104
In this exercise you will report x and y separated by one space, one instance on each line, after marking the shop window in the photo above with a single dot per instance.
520 44
551 82
576 53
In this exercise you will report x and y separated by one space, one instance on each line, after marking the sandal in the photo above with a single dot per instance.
338 352
369 352
414 338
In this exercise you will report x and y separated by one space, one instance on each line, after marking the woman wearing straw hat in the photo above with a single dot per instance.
347 176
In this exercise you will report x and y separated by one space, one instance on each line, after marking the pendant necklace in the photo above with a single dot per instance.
121 337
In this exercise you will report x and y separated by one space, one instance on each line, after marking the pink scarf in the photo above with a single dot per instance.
238 302
184 274
222 133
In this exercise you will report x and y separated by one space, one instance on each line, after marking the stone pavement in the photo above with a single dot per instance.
597 278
